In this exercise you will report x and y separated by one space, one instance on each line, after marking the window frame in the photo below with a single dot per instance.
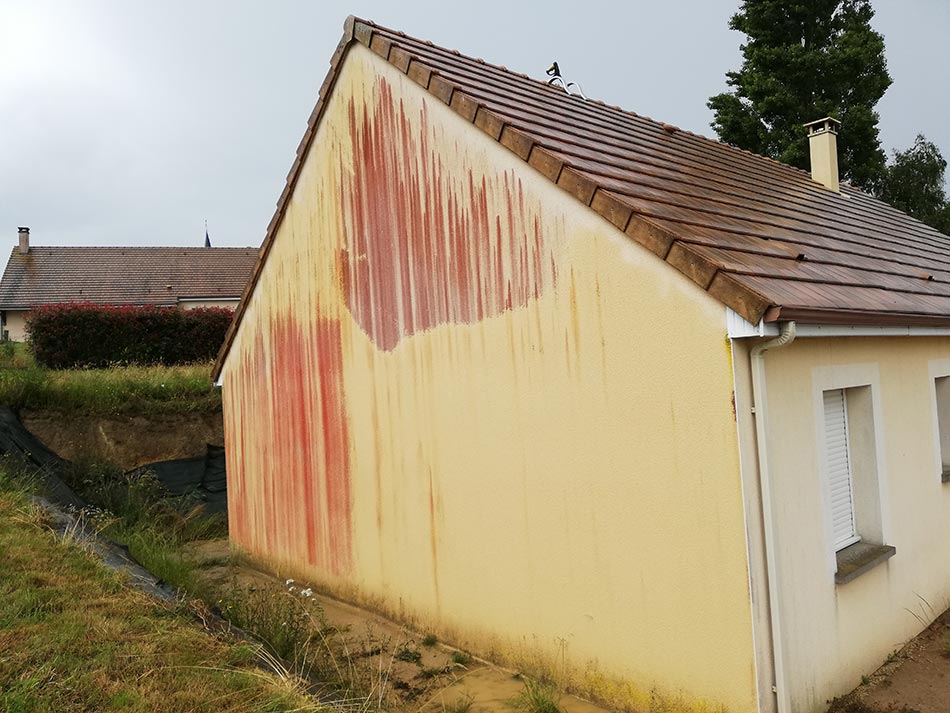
854 537
938 369
851 376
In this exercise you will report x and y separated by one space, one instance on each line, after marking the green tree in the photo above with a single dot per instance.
914 183
804 60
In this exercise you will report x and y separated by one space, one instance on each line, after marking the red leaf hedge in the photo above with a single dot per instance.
85 335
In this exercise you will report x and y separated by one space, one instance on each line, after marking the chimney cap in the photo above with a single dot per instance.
829 123
23 229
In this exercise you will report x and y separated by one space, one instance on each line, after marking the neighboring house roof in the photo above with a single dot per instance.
762 237
124 276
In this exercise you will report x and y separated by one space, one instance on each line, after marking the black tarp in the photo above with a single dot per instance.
203 477
18 443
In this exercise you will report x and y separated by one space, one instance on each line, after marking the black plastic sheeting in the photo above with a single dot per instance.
18 443
204 478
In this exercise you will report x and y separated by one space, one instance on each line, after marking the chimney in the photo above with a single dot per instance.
823 141
24 240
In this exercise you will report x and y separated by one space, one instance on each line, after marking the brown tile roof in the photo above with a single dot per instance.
760 236
48 275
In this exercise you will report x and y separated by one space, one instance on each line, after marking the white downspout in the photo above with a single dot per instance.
760 414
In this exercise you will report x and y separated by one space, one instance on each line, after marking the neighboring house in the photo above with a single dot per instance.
585 392
183 277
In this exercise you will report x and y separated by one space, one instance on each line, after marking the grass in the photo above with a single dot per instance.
75 637
537 697
408 655
138 390
134 510
15 355
460 705
461 658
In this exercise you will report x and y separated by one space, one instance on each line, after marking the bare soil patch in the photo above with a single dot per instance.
915 679
426 675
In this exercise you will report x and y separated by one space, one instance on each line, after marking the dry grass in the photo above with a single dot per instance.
75 637
538 697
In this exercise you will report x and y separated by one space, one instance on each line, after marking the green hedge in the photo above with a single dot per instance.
86 335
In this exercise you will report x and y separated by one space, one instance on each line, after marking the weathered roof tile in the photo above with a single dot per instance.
126 276
744 225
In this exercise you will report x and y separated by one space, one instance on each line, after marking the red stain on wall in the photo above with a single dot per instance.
294 442
426 245
424 240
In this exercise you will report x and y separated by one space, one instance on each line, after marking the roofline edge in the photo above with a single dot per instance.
352 26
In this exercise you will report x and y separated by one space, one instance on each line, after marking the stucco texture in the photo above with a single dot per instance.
16 325
835 633
462 397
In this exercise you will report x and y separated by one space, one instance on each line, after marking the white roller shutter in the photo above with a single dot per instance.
838 459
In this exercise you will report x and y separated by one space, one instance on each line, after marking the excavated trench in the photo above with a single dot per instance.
126 441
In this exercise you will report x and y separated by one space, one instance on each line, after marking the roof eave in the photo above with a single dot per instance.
705 273
853 318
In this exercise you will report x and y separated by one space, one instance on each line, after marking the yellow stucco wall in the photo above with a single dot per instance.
836 633
460 396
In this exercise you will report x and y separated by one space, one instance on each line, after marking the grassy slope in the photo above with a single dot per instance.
121 390
75 637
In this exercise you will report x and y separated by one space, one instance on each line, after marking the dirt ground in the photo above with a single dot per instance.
915 679
440 679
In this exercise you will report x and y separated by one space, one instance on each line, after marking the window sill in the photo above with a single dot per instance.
856 559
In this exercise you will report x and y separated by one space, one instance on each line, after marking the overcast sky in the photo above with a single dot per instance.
129 123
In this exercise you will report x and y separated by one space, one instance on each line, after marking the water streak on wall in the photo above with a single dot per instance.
424 249
302 508
462 395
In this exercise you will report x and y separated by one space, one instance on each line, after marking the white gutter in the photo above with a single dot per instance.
760 414
737 328
216 298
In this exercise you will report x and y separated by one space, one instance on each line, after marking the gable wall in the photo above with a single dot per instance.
514 429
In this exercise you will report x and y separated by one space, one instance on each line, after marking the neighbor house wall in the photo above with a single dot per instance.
835 633
15 324
460 396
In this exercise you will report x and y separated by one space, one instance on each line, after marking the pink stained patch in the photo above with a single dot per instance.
424 247
295 441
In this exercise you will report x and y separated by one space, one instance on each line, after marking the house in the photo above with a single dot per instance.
176 277
590 394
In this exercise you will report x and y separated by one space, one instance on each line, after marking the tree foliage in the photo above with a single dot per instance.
914 183
804 60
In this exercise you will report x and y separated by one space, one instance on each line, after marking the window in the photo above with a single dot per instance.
942 389
840 481
851 480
